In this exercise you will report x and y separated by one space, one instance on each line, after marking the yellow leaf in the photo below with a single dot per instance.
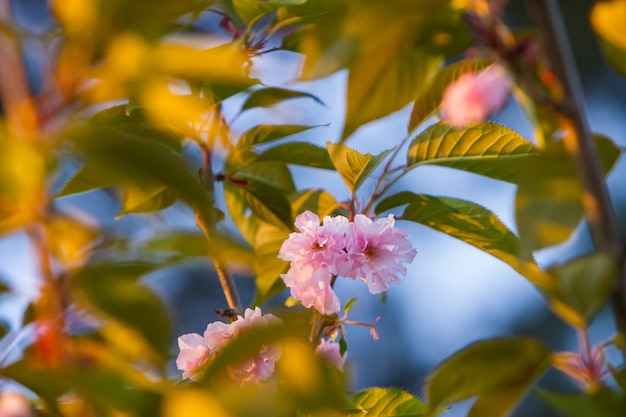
193 402
609 19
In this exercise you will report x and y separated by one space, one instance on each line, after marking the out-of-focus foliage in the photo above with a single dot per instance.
134 105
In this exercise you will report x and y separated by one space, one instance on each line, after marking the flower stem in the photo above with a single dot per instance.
580 144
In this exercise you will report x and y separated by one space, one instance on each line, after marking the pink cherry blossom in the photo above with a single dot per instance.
320 246
197 351
475 96
194 355
315 254
376 251
311 286
331 352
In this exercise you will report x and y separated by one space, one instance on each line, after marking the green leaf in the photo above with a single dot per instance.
250 10
391 51
384 402
549 196
486 149
270 173
353 166
471 223
4 287
316 200
430 99
270 96
267 266
136 123
268 133
113 288
138 200
267 202
86 178
4 329
181 245
582 286
384 82
605 403
607 19
299 153
36 376
144 157
486 369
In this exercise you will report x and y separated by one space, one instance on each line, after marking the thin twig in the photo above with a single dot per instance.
207 222
580 144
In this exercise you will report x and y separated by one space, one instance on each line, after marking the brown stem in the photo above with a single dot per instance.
580 144
207 222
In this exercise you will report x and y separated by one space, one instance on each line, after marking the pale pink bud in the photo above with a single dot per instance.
331 352
475 96
13 404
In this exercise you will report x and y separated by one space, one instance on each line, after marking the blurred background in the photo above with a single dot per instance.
453 294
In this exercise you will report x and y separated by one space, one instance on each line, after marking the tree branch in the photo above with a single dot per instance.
580 144
208 224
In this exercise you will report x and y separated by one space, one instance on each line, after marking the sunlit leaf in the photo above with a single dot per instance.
605 403
384 82
299 153
190 401
471 223
70 238
582 287
549 196
113 288
390 50
268 133
316 200
607 18
384 402
267 266
270 96
486 149
353 166
488 368
430 99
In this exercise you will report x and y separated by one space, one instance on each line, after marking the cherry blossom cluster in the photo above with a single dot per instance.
196 351
475 96
372 251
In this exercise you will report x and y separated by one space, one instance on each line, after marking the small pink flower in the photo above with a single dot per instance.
331 352
316 245
376 251
475 96
196 351
194 355
312 288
